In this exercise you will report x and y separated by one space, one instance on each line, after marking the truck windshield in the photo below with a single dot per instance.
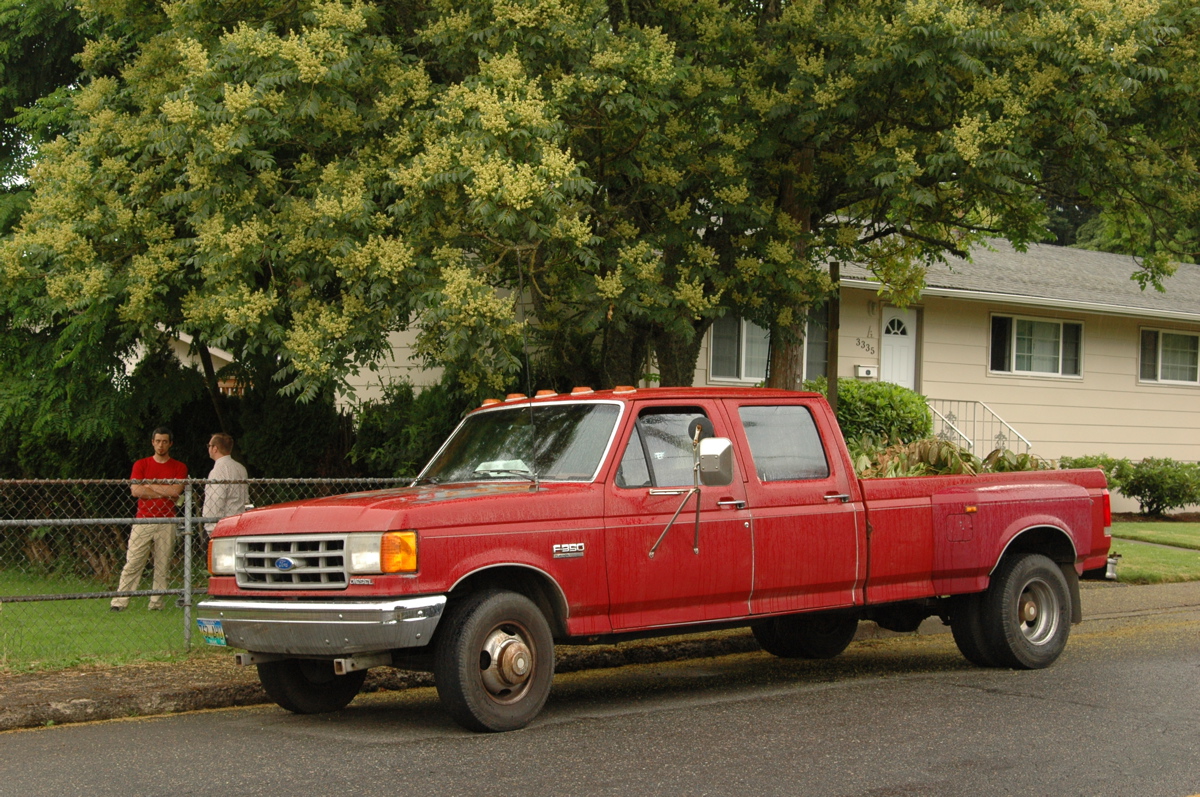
556 442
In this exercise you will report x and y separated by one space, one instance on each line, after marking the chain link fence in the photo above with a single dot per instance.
62 548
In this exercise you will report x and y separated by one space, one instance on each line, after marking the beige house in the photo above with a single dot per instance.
400 364
1053 349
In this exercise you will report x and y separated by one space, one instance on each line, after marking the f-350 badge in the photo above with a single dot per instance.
568 550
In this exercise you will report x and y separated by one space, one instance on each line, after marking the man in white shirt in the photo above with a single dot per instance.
222 500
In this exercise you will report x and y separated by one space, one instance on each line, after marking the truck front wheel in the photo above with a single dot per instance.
494 661
309 686
1026 613
806 636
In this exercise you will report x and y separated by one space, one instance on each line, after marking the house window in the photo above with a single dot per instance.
1169 356
740 349
1036 346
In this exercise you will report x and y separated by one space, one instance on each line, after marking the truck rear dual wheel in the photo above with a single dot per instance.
309 686
1026 613
494 661
806 636
1021 621
966 624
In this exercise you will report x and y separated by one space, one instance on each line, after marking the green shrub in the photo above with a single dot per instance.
1115 470
1161 484
1003 460
879 410
1156 484
932 456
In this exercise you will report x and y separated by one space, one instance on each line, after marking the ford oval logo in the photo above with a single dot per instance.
284 563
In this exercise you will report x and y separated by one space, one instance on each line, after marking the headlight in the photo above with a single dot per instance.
390 552
221 555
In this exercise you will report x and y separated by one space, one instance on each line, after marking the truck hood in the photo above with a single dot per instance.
425 507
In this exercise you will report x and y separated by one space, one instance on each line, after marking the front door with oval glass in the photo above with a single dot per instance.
898 351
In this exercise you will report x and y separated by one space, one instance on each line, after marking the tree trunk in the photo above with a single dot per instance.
677 355
210 381
786 366
623 357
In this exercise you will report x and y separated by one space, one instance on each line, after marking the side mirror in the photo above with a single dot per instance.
716 461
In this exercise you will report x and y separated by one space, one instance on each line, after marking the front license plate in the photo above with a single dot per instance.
212 631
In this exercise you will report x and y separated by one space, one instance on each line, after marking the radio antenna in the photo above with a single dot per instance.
533 439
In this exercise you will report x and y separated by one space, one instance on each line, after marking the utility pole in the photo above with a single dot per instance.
833 323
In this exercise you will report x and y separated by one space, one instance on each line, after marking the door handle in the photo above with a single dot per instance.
843 497
733 503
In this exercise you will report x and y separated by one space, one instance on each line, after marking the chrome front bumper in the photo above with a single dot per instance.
319 628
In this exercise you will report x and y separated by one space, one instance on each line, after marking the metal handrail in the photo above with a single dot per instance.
966 441
962 420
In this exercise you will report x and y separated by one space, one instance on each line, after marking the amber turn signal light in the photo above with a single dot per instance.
398 552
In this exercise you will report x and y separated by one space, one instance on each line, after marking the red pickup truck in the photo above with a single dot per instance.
597 516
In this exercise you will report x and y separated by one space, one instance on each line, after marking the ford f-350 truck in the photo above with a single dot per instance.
599 516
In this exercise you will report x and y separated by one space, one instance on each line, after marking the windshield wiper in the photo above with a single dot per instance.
522 473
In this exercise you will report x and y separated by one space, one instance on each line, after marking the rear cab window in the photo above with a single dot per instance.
784 443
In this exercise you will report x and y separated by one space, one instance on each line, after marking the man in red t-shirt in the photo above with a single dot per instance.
154 501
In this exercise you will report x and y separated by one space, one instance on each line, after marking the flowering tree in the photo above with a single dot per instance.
594 181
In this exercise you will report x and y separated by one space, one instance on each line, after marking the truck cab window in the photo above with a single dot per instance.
784 443
659 452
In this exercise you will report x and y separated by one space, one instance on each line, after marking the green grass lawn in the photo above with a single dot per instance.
1150 564
66 633
1181 535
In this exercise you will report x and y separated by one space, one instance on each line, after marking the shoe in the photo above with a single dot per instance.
116 608
156 608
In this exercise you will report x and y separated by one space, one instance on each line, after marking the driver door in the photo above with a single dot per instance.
678 584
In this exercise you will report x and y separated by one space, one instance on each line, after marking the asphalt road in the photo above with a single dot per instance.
1119 714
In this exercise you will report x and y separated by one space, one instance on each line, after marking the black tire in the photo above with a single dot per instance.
966 624
806 636
309 686
1027 613
494 661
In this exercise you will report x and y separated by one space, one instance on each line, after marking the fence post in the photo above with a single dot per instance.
187 565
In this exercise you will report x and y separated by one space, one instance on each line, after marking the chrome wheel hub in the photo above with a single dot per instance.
1038 612
505 662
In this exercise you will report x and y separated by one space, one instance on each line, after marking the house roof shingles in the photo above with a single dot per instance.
1055 276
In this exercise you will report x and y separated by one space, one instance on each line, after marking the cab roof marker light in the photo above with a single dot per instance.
624 389
515 397
491 402
581 391
545 394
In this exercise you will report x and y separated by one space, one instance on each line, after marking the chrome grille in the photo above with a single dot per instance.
315 561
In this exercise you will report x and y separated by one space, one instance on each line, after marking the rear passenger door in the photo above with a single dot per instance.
809 533
692 577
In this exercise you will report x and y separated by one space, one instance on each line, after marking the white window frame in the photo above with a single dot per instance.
743 326
1012 346
1158 358
742 378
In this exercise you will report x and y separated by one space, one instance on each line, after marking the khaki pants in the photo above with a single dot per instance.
145 538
